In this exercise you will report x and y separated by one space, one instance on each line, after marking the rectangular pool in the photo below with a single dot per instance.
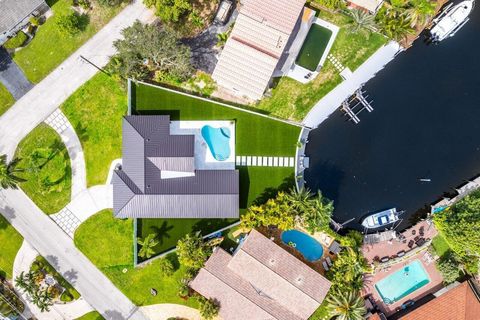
403 282
313 47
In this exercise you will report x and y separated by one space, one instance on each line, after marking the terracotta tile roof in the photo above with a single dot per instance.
459 303
261 281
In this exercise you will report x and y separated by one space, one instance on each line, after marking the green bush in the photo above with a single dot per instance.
69 24
16 41
165 267
35 21
449 269
110 3
208 308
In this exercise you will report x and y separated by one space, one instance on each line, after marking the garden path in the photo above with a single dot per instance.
23 260
59 122
166 311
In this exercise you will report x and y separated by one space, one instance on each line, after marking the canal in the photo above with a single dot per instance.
425 124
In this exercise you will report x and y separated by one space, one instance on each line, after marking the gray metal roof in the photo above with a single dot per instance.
12 12
139 190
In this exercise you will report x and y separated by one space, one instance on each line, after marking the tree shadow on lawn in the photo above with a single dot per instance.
270 193
162 232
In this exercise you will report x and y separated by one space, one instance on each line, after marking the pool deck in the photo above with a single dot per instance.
390 249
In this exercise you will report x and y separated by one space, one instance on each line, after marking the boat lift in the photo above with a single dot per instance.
356 104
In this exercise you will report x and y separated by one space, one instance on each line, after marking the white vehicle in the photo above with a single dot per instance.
381 219
223 11
452 18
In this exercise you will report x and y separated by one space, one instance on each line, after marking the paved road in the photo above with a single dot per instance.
37 228
12 76
52 243
46 96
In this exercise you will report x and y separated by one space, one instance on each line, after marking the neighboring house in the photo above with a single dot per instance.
159 178
15 14
370 5
258 40
458 303
261 281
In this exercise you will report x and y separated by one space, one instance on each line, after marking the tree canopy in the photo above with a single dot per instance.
192 251
145 49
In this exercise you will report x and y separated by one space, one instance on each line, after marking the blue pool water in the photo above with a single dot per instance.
403 282
218 141
310 248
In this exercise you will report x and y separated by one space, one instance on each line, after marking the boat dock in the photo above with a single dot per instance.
356 104
353 82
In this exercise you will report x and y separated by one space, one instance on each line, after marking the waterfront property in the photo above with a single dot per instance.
459 301
259 38
310 248
261 281
168 173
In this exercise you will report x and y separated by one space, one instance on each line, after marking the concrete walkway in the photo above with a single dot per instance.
12 76
59 122
166 311
332 101
83 206
48 95
72 310
260 161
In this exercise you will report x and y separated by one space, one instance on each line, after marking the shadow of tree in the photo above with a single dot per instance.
113 315
269 193
173 258
71 276
162 232
53 260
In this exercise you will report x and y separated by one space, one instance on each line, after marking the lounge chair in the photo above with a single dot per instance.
325 266
329 261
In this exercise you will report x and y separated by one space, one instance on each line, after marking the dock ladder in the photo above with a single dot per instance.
356 104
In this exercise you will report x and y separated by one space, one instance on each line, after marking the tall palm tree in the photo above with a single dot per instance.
394 23
147 246
362 21
420 11
8 171
298 199
346 305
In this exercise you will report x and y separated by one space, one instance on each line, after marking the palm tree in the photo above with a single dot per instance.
420 11
394 23
8 171
298 199
26 282
346 305
147 246
362 21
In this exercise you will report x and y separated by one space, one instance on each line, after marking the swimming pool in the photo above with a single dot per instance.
313 47
218 141
403 282
310 248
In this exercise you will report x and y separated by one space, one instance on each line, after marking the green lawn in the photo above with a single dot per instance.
47 169
10 241
321 313
169 231
6 99
70 293
94 315
95 111
292 100
440 245
107 242
255 134
49 47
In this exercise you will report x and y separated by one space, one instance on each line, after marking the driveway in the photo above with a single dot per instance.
12 76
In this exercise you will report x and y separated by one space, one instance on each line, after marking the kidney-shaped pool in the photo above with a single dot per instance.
310 248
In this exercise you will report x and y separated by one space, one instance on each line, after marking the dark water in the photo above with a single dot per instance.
426 124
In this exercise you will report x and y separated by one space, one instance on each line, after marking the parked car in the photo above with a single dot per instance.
223 11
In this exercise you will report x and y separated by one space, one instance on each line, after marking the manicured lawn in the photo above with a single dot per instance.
107 242
94 315
95 111
47 169
49 48
70 293
255 134
6 99
292 100
440 245
10 241
321 313
169 231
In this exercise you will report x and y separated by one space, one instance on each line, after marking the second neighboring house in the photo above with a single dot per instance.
159 178
258 40
461 302
15 14
371 6
261 281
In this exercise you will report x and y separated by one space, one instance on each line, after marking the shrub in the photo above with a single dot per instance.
165 267
35 21
110 3
449 269
16 41
208 308
192 251
71 24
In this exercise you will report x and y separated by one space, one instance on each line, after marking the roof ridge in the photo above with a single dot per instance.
133 194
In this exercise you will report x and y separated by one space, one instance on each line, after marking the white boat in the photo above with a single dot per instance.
452 18
381 219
